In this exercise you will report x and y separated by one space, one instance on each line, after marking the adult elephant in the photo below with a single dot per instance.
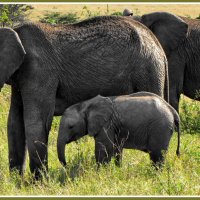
183 57
53 67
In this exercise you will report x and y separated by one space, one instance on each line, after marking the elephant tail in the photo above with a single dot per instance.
166 88
177 124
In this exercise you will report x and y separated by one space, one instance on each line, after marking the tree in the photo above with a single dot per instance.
13 14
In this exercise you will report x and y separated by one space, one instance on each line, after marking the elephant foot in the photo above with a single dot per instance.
158 159
16 167
40 174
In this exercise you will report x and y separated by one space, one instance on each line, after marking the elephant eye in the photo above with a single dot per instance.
71 126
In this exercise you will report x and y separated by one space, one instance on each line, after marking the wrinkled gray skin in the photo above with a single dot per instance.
183 57
53 67
142 121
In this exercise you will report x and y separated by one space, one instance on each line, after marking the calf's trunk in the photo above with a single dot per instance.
61 151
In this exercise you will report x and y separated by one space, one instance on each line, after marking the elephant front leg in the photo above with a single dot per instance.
104 150
38 115
16 133
102 154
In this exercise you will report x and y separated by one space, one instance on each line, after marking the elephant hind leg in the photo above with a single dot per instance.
16 133
157 157
159 139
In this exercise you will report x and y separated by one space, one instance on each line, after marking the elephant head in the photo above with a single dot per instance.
11 54
169 29
127 12
89 117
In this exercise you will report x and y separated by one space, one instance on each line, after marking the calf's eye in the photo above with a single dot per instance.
71 126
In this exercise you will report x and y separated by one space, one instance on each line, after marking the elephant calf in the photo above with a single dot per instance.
142 121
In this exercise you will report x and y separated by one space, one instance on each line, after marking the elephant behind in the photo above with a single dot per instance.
53 67
142 121
182 54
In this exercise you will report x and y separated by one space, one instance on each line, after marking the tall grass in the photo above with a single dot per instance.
190 112
180 176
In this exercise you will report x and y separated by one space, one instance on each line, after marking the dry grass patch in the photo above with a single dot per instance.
105 9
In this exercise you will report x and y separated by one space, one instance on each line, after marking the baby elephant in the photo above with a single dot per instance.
142 121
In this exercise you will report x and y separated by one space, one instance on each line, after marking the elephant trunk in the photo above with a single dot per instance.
61 150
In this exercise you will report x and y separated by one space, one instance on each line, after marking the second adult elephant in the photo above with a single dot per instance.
53 67
183 55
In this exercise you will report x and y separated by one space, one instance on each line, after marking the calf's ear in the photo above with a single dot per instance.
99 113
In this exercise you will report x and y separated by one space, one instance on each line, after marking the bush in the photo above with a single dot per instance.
57 18
13 14
190 112
117 13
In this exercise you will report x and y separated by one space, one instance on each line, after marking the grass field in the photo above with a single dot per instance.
83 10
180 176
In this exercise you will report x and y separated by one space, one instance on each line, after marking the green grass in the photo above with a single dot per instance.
180 176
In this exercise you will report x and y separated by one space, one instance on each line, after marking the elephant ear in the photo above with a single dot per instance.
99 113
168 28
11 54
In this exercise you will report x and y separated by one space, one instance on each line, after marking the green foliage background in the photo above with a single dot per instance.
13 14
